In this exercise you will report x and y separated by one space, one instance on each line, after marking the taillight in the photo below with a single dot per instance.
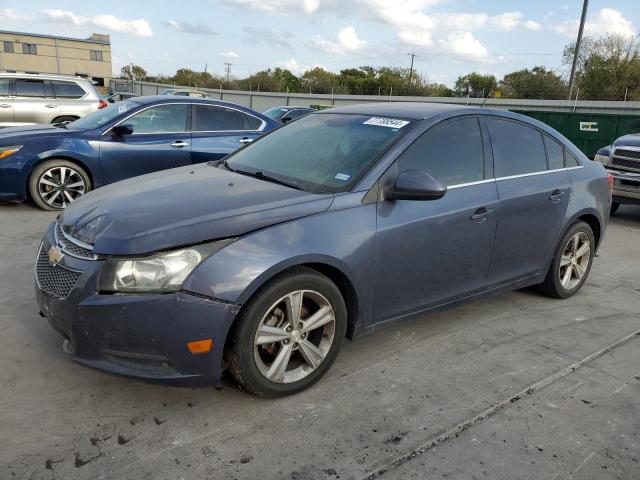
611 179
102 104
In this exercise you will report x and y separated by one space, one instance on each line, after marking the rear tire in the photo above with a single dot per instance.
272 356
65 118
571 262
56 183
614 207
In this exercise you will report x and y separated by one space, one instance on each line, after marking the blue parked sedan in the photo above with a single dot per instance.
56 164
340 223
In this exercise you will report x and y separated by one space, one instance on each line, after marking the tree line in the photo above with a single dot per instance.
608 69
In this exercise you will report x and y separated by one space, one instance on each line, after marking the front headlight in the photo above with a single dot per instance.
603 159
10 150
160 272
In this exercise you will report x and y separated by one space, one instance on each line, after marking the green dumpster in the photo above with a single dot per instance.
588 131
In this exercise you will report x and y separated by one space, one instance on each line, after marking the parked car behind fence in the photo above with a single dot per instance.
27 99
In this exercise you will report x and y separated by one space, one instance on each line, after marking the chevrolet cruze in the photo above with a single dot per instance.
343 222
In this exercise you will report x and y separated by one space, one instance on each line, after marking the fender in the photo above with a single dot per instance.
236 272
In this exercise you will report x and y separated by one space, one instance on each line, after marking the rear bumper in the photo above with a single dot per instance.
138 335
626 187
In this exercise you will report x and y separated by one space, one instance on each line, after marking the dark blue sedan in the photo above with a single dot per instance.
56 164
342 222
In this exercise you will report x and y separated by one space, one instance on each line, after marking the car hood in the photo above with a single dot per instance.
32 130
632 140
182 206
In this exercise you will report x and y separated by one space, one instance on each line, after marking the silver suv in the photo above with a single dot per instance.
29 98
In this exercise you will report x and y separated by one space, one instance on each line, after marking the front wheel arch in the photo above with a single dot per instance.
66 158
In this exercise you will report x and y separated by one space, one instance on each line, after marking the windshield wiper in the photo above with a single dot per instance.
268 178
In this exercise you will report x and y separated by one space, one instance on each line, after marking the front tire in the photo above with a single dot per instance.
288 334
54 184
571 262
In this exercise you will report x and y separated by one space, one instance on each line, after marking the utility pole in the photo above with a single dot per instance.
227 68
572 79
412 55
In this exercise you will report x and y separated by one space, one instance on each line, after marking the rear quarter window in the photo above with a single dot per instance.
554 153
570 160
517 148
67 89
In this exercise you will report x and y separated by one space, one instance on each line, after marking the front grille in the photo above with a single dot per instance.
56 281
625 163
622 152
72 247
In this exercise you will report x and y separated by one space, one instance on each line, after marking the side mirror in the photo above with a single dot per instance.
286 119
413 185
120 130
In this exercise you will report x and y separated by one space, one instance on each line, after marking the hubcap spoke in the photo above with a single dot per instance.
567 276
565 260
44 181
52 198
68 195
577 268
268 334
318 319
583 250
279 366
311 354
576 241
294 307
76 185
63 174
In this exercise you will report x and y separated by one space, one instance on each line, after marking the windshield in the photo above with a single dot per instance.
166 91
276 112
321 152
102 117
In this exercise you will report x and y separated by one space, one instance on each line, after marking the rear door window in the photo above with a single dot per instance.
517 148
554 153
452 152
160 119
26 87
67 89
209 118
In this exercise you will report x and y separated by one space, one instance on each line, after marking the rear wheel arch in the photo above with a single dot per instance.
593 221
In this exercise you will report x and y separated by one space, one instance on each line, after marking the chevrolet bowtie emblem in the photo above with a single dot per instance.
55 255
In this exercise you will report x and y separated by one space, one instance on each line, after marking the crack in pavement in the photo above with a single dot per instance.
495 408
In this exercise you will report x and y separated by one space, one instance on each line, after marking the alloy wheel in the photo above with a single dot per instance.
59 186
575 259
294 336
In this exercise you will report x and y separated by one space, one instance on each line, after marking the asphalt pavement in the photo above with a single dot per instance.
513 386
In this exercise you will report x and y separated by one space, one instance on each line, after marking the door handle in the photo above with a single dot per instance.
5 105
49 105
179 144
245 140
556 196
480 215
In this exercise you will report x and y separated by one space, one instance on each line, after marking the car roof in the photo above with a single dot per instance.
409 110
172 99
292 107
44 76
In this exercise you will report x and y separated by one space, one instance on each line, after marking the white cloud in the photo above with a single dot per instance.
138 28
464 44
192 28
229 54
605 21
10 15
295 67
509 21
346 41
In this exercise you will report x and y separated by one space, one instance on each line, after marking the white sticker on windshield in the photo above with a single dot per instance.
386 122
342 176
122 108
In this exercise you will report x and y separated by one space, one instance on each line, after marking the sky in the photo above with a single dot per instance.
449 37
